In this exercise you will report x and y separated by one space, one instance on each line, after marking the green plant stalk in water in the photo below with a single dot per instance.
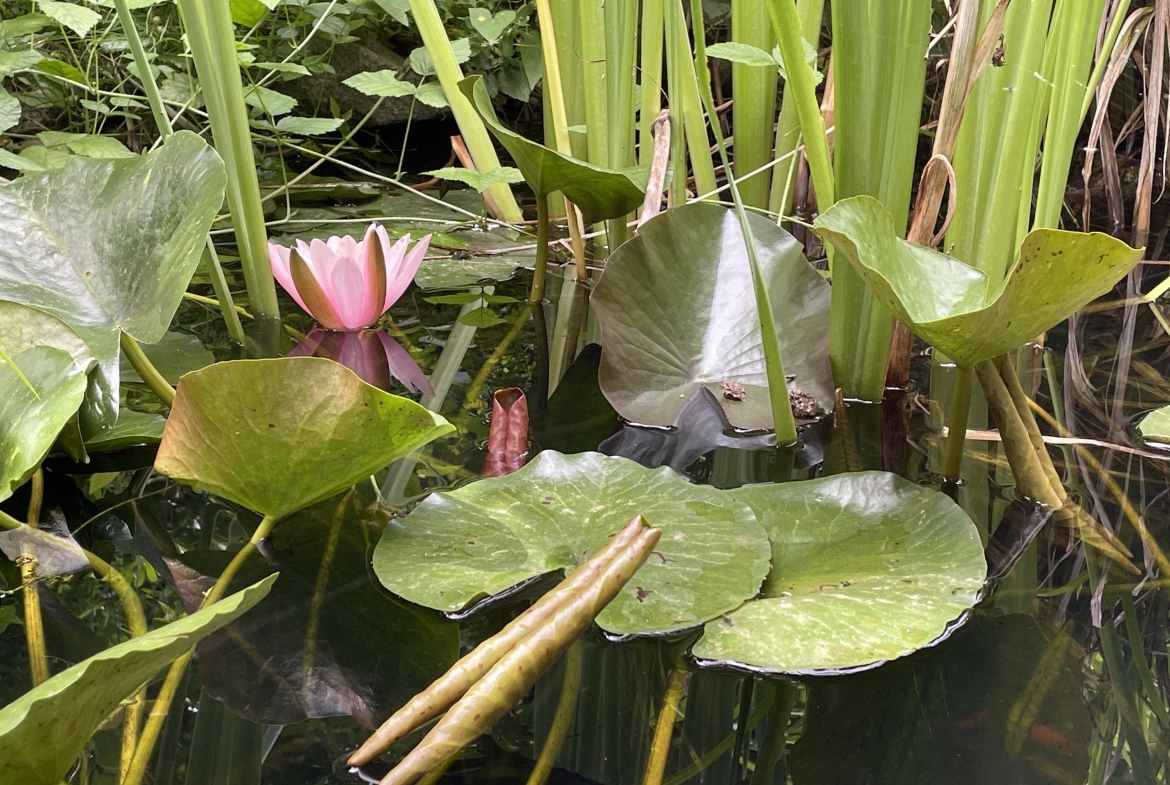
562 717
150 375
170 685
664 729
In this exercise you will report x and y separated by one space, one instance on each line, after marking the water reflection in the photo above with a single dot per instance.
371 354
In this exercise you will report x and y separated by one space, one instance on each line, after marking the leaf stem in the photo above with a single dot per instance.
541 269
146 76
34 630
36 497
150 375
667 716
562 718
952 466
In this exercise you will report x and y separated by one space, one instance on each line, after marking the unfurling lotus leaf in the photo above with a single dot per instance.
109 246
866 567
279 435
598 193
955 307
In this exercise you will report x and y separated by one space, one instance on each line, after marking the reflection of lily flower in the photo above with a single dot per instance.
371 354
344 284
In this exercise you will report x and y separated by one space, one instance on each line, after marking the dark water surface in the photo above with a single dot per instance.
1020 693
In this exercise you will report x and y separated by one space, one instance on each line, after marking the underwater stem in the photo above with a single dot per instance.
957 425
170 686
667 715
562 718
541 269
1008 372
154 380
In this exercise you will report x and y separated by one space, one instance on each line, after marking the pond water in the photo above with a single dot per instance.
1014 694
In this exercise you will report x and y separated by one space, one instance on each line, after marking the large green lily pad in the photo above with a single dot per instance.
553 514
598 193
867 567
677 312
955 307
22 327
43 731
30 419
109 246
279 435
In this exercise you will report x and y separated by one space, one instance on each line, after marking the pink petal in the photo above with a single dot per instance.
307 347
278 256
398 280
403 367
349 295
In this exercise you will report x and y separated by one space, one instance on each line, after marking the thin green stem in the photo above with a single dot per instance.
34 629
153 97
957 426
541 270
36 497
788 136
223 295
1008 372
562 717
170 685
667 716
150 375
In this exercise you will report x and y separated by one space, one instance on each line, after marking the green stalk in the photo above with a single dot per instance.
562 717
475 135
754 109
957 433
788 126
170 686
678 138
150 375
591 47
153 97
541 269
650 77
782 419
34 627
564 15
213 47
223 294
621 52
689 104
668 715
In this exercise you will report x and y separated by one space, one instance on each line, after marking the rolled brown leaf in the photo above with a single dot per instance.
508 437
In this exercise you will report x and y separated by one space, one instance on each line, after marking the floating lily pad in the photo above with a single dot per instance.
867 567
677 312
133 428
598 193
1156 426
554 513
44 731
955 307
109 246
278 435
30 421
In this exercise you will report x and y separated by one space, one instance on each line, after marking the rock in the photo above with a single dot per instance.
313 92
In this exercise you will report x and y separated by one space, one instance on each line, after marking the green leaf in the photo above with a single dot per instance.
172 356
20 26
279 435
247 13
598 193
46 158
94 146
480 182
48 65
9 110
19 163
12 61
742 53
22 327
30 419
308 126
490 27
44 731
700 329
284 68
1154 428
132 429
810 57
399 10
865 567
432 94
554 513
481 317
422 64
269 101
77 18
954 307
380 83
109 246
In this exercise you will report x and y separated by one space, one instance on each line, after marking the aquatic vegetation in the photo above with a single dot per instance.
345 284
372 354
508 436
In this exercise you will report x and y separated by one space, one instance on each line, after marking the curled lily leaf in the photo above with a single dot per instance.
508 437
508 681
465 673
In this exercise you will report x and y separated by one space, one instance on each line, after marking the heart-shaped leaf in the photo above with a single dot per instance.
598 193
279 435
44 731
677 313
109 246
490 27
30 419
555 513
953 306
866 567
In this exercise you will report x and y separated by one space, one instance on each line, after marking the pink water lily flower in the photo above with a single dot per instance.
345 284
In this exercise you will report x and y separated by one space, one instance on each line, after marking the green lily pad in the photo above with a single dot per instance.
1155 427
109 246
553 514
30 421
22 327
172 356
598 193
133 428
953 306
279 435
867 567
677 312
43 731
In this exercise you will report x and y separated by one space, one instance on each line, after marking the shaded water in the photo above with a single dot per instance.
1016 694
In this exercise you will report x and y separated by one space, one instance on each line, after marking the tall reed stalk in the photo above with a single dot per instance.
754 109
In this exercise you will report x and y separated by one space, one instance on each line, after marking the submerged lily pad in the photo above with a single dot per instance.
553 514
955 307
43 731
172 356
1156 426
677 312
278 435
30 419
598 193
867 567
109 246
